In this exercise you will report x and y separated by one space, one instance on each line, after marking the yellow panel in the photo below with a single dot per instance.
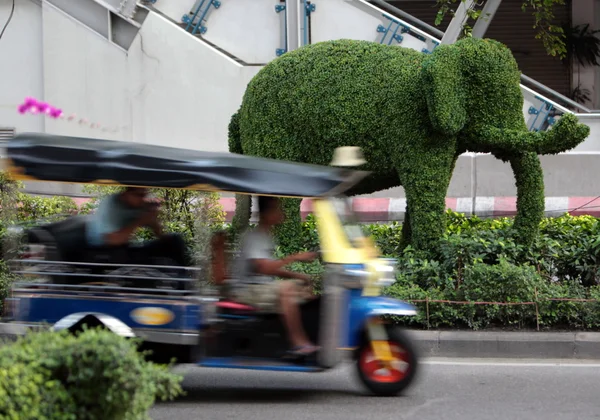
337 249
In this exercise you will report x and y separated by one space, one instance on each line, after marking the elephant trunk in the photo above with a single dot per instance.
565 135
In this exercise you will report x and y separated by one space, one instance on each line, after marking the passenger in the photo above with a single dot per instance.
118 217
258 268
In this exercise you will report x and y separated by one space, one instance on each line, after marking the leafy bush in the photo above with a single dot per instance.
94 375
6 280
479 260
32 208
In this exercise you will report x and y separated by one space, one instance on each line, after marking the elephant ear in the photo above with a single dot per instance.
445 89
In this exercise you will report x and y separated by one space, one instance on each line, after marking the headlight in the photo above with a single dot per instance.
358 275
354 276
386 268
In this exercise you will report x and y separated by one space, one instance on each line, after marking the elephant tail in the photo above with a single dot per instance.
235 139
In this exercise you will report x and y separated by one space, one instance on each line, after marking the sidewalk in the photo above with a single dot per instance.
529 345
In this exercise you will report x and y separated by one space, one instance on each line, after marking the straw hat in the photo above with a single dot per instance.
348 156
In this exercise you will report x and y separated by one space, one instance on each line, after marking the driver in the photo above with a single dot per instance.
118 217
258 268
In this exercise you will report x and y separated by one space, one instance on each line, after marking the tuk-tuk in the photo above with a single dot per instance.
163 304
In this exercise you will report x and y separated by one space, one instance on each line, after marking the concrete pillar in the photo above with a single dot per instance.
292 17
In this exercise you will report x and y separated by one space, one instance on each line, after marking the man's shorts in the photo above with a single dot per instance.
264 297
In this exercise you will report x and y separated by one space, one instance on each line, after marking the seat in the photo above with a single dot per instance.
235 306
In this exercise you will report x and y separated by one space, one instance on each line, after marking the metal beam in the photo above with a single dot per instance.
292 17
487 14
458 22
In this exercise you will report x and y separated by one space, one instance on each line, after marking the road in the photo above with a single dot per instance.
449 389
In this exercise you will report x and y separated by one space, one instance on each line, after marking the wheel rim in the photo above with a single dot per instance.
394 371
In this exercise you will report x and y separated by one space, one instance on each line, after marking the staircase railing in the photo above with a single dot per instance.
196 23
406 30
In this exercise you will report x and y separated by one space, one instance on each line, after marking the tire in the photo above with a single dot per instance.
394 381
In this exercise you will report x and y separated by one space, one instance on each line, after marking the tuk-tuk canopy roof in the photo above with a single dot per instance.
43 157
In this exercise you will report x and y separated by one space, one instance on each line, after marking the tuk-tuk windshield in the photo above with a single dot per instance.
349 220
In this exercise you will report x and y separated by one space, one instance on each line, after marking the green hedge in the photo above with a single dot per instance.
479 261
94 375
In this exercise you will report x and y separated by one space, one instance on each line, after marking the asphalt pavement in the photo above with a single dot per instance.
449 389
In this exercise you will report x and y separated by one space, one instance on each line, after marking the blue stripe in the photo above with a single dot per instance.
251 364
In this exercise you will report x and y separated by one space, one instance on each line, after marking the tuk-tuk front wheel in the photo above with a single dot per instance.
388 378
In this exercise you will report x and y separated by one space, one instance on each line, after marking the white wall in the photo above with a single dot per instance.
21 69
175 9
86 75
248 29
169 89
185 91
341 19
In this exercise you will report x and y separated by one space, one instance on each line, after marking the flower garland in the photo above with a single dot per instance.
35 107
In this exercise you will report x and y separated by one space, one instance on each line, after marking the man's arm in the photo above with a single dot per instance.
276 267
107 226
122 236
155 225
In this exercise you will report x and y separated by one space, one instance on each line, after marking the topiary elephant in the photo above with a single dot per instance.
412 113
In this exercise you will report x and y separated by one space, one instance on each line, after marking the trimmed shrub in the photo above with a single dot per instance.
94 375
412 114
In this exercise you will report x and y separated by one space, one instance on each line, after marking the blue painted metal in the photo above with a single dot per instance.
362 308
278 9
48 309
308 9
228 316
390 33
196 23
255 364
542 119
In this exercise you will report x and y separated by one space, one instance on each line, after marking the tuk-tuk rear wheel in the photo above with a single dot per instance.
388 379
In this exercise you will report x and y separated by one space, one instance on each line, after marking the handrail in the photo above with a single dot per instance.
402 13
558 95
88 264
26 287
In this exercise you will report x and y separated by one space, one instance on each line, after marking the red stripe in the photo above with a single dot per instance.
371 209
505 206
306 208
585 206
377 209
451 203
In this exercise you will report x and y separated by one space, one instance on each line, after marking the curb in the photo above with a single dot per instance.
394 209
510 345
497 345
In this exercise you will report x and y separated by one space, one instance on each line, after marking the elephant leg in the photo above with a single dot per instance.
289 233
530 195
406 231
243 211
426 186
